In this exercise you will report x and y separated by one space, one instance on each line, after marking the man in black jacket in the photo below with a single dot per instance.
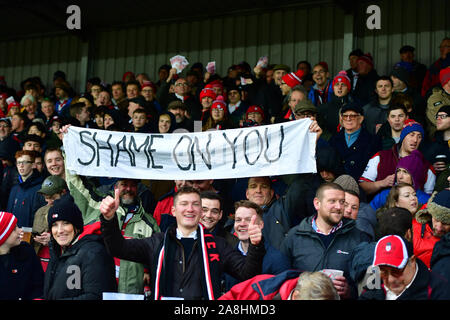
269 95
186 261
403 276
181 93
367 76
376 110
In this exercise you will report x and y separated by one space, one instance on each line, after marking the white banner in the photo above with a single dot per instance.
270 150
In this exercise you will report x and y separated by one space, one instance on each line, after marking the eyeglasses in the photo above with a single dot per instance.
349 116
441 116
24 162
181 84
443 47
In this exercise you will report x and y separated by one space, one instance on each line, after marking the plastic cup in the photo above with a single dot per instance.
27 234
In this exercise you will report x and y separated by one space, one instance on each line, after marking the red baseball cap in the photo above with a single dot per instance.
391 251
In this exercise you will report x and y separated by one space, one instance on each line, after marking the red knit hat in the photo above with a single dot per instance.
7 224
150 84
292 79
254 108
444 76
367 58
13 104
207 92
126 74
215 83
219 103
342 77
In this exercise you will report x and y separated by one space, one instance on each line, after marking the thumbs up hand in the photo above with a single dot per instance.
254 231
109 205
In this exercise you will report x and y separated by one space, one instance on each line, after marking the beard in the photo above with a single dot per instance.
127 198
332 220
179 119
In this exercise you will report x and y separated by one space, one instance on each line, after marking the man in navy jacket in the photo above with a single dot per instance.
354 144
325 240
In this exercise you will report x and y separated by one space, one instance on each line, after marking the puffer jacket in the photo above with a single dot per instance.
264 287
307 251
423 241
82 272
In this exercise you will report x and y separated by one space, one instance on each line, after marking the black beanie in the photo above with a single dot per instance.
401 73
65 209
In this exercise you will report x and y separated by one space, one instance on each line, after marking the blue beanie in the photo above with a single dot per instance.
410 126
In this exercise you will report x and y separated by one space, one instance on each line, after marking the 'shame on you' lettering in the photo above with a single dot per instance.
187 152
265 150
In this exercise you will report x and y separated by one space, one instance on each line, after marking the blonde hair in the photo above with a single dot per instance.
315 286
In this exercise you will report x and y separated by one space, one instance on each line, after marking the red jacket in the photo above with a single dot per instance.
432 76
264 287
164 205
423 241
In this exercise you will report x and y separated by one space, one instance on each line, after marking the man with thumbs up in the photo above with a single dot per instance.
186 261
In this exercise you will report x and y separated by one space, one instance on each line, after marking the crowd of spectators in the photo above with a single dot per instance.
380 197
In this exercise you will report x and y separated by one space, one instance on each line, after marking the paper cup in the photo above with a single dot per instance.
333 273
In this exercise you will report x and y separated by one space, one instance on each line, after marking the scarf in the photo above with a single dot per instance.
210 259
